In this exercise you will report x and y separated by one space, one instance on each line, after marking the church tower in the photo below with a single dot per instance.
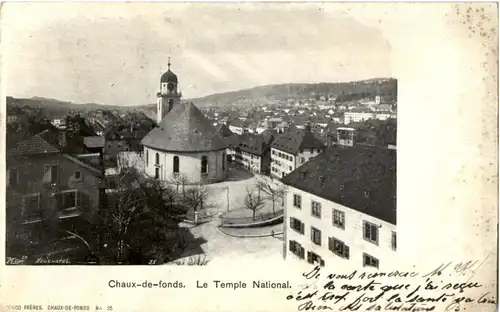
169 94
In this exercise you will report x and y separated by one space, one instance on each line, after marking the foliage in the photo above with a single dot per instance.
138 223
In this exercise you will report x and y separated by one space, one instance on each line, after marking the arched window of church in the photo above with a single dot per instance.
147 158
176 164
204 164
223 161
157 159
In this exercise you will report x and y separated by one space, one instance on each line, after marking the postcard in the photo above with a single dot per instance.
249 156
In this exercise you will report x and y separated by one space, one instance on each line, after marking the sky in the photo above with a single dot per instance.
115 53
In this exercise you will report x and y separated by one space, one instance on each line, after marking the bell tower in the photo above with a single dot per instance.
169 94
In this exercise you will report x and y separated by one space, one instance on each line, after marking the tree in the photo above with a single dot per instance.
138 217
253 201
195 197
179 180
274 192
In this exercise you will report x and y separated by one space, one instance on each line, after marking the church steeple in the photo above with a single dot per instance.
169 94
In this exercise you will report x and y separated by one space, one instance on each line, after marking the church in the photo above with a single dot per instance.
184 143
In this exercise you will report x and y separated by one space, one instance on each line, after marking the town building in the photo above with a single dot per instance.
48 186
341 206
184 143
292 149
251 151
237 126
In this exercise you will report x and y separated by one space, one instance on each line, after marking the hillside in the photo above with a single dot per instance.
345 91
387 87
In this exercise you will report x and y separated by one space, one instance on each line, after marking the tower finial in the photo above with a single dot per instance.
169 63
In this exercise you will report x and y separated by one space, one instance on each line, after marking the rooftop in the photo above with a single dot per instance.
184 129
362 178
35 145
293 140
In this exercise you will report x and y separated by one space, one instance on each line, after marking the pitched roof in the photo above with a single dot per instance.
253 144
35 145
293 140
184 129
93 141
224 131
362 178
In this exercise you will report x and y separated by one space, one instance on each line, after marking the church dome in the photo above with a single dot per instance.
168 76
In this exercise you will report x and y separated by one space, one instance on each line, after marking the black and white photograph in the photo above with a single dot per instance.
146 139
189 156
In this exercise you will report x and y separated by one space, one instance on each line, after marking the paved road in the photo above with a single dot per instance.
218 246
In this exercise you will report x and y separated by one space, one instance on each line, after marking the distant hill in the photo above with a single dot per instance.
57 108
387 87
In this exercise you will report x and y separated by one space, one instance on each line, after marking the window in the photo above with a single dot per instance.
112 183
51 173
393 240
341 187
176 164
290 168
223 161
147 158
314 258
68 199
316 209
339 218
14 176
170 104
316 236
297 201
370 261
302 160
78 176
296 249
370 232
157 159
338 247
157 173
204 164
31 205
297 225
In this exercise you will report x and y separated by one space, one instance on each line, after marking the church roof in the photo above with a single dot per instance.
168 76
184 129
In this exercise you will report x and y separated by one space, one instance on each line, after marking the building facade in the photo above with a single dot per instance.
292 149
340 208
